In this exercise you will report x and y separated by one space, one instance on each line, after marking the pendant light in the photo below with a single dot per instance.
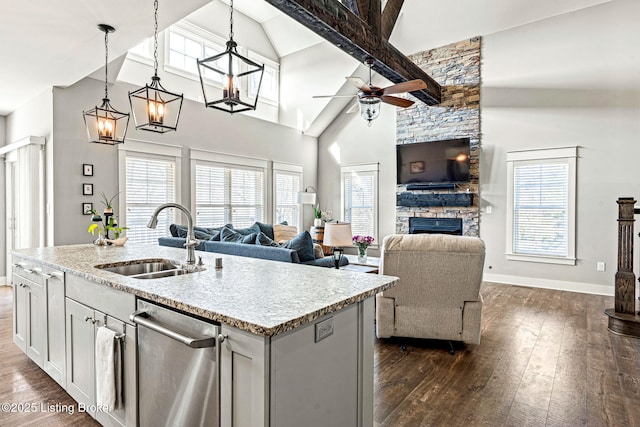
154 108
233 71
105 124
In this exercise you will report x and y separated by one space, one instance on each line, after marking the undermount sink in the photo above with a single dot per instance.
147 268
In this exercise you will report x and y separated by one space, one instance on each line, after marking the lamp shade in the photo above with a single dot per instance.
337 234
306 198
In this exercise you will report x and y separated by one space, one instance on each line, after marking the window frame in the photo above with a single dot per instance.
565 155
153 151
210 158
286 169
268 64
367 168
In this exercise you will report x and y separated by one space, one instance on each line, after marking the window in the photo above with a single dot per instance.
287 182
360 198
149 180
269 88
186 48
541 203
225 192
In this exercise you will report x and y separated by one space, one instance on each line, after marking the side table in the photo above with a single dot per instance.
371 265
317 234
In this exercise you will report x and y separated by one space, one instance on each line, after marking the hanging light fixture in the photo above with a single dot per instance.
105 124
154 108
234 71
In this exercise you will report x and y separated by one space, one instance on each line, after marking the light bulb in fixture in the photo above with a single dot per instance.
156 112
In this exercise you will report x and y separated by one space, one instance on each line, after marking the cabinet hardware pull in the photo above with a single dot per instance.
16 266
221 337
90 319
140 317
46 276
57 274
27 270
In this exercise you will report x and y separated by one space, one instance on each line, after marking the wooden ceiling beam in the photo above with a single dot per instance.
390 16
356 36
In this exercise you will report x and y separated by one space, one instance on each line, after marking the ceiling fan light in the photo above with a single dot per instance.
369 108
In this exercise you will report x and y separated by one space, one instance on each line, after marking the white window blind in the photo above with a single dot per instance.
540 209
286 186
359 190
150 182
541 205
228 194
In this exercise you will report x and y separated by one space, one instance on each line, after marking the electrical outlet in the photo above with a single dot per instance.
601 266
324 329
488 209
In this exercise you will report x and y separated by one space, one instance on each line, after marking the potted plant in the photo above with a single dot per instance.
107 202
317 215
111 225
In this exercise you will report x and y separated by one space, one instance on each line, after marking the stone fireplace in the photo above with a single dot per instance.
457 68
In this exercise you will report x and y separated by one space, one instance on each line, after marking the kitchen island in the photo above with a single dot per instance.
295 344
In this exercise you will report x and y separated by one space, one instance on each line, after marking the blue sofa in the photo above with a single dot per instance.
251 250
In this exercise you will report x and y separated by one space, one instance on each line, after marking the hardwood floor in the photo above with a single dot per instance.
546 358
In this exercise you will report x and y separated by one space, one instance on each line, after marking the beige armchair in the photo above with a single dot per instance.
438 296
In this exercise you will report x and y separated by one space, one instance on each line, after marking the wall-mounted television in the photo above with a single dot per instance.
433 162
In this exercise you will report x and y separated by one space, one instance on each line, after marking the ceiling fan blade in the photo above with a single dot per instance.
359 83
409 86
398 102
333 96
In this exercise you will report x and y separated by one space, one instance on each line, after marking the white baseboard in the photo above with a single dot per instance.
3 280
559 285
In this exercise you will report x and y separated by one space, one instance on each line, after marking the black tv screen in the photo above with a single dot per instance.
433 162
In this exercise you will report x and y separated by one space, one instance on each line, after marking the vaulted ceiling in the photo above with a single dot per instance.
45 43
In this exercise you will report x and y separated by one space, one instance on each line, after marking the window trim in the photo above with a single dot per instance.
212 158
365 167
291 169
150 150
561 155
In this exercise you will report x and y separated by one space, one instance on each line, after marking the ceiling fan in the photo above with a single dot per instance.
370 97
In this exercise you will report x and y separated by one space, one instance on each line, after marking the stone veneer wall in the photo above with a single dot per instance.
456 68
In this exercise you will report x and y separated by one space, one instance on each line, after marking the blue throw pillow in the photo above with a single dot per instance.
264 240
251 229
201 233
233 236
267 229
303 245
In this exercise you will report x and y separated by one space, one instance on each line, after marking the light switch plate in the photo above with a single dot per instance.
324 329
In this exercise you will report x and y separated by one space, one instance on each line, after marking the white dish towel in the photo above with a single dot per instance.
106 375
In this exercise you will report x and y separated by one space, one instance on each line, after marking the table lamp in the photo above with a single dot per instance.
337 235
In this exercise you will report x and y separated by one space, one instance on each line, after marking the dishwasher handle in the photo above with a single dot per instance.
141 317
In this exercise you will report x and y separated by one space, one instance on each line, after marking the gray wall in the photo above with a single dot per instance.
200 128
568 80
357 144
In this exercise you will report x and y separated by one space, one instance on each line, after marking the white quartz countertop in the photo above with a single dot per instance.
260 296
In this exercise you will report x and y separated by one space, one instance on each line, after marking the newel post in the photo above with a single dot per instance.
623 318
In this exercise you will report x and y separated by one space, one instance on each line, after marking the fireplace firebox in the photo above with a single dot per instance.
435 226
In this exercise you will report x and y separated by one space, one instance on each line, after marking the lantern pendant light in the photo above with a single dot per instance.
105 124
233 71
154 108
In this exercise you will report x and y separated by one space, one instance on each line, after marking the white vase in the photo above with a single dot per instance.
317 222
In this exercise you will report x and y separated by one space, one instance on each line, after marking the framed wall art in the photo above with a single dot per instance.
87 208
87 189
87 170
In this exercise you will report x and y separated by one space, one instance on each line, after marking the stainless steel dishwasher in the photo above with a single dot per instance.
178 368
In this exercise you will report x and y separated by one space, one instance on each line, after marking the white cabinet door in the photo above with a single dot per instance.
35 305
19 312
80 363
54 355
244 379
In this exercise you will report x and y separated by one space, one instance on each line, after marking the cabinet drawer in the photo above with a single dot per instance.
108 300
28 270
